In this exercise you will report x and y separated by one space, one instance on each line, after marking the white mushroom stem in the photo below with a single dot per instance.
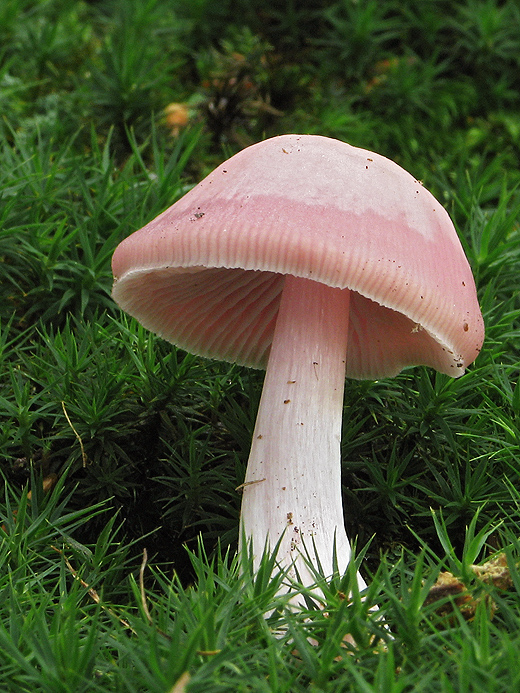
293 480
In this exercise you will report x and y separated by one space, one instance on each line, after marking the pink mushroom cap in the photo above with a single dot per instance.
207 274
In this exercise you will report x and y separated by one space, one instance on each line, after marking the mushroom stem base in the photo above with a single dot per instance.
293 481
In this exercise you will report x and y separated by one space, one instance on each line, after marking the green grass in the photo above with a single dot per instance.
149 444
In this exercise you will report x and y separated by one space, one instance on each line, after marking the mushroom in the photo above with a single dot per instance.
315 260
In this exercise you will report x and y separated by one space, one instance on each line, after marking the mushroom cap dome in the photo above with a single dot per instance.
207 274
